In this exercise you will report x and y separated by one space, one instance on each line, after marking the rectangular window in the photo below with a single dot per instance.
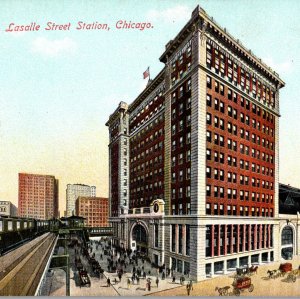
208 82
208 136
156 235
173 228
180 238
187 240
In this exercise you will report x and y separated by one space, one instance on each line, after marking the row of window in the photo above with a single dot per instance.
219 192
222 239
234 210
180 234
148 164
145 107
232 161
186 86
233 112
181 158
236 74
181 73
141 134
180 192
232 145
218 174
219 123
182 108
147 187
181 175
179 209
187 53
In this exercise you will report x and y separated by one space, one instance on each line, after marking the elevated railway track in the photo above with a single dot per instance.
22 269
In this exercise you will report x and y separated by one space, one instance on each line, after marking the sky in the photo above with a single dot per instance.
58 88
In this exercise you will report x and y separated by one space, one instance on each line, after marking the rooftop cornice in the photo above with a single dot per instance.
200 15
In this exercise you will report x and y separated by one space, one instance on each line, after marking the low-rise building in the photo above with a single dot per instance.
7 208
94 209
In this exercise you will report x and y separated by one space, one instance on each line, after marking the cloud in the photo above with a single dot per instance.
279 67
170 15
53 48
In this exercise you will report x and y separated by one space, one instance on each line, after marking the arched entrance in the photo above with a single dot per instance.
139 238
287 243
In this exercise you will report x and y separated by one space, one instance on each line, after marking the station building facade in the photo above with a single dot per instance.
194 158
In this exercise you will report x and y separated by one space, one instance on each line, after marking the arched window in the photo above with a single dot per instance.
287 236
139 234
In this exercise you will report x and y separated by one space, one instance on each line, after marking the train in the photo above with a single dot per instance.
14 231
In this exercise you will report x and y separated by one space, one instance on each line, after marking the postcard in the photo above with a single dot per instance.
149 148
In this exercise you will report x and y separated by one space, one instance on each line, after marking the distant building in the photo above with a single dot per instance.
72 193
38 196
94 209
8 209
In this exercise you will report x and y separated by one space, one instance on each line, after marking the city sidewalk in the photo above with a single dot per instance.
57 287
263 286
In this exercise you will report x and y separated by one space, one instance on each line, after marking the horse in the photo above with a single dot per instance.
274 273
222 291
253 269
271 273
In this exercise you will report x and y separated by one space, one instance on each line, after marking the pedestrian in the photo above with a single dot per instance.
157 282
144 275
173 279
163 276
137 280
188 288
128 283
149 286
191 285
108 282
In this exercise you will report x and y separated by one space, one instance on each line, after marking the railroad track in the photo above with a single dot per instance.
21 276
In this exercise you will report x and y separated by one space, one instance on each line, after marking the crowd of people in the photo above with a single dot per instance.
135 265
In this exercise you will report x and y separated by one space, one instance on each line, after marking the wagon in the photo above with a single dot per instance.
286 267
241 284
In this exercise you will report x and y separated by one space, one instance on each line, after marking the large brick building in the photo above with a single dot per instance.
194 158
93 209
38 196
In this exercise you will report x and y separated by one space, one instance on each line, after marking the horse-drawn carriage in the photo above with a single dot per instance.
84 279
281 272
287 268
239 284
242 283
96 268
